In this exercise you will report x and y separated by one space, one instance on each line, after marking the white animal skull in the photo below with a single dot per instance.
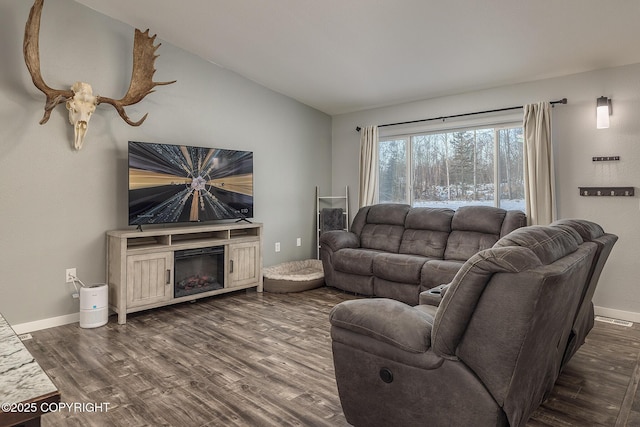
80 100
81 107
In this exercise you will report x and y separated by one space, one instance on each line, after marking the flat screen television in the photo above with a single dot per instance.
180 183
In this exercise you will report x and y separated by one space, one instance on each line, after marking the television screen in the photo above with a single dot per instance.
179 183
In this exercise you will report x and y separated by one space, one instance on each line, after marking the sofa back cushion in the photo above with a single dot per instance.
384 227
547 249
512 221
360 220
473 228
426 232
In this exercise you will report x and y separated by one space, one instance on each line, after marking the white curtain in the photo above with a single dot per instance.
368 165
538 164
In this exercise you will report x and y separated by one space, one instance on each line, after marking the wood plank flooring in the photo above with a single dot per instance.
250 359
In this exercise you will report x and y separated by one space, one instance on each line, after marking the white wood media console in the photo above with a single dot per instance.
140 264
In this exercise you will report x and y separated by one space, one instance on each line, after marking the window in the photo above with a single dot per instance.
454 168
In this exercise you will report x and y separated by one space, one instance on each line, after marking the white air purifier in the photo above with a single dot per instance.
94 311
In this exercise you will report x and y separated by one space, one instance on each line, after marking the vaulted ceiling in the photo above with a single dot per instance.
342 56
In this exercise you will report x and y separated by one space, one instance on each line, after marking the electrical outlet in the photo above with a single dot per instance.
277 246
69 275
299 241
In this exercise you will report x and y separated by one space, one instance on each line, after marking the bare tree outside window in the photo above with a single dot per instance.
454 168
392 178
511 168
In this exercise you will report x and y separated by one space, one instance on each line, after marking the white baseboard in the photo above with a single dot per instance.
51 322
629 316
23 328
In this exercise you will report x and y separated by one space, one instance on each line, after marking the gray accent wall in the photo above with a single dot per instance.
576 141
56 204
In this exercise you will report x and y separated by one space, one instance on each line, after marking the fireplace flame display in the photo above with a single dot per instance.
196 284
198 270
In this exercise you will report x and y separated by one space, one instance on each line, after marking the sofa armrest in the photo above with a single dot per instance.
387 321
436 272
433 296
339 239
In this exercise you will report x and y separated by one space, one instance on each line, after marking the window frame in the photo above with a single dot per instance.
407 136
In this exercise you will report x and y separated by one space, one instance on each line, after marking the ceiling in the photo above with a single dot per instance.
341 56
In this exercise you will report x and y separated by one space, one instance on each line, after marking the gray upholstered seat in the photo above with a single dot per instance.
487 356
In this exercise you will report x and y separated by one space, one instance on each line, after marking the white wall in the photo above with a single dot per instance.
56 204
576 141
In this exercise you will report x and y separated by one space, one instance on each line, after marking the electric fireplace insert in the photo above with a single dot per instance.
198 270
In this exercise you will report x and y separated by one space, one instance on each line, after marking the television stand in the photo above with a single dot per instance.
141 264
244 219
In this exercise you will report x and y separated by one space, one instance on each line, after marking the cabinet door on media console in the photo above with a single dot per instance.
244 264
149 279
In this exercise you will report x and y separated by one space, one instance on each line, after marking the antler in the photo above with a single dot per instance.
142 82
32 58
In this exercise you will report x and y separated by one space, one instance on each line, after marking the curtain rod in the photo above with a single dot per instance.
561 101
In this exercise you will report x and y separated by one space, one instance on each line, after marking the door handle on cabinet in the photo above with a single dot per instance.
168 277
230 266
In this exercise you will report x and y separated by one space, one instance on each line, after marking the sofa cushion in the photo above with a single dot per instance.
438 272
354 261
372 317
426 232
483 219
384 227
512 221
403 292
588 230
424 242
382 237
388 213
436 219
474 228
462 245
548 243
358 284
399 267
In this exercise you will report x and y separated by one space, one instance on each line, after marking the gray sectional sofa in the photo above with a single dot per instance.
490 352
396 251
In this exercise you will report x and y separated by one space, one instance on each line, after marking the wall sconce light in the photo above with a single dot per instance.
603 111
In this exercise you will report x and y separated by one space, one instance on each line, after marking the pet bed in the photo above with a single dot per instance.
293 276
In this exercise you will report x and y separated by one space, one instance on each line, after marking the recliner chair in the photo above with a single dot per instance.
487 356
584 317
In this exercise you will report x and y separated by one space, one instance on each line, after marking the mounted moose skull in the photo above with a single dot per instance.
80 100
81 107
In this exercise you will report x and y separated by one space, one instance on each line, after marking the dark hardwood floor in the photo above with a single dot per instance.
249 359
